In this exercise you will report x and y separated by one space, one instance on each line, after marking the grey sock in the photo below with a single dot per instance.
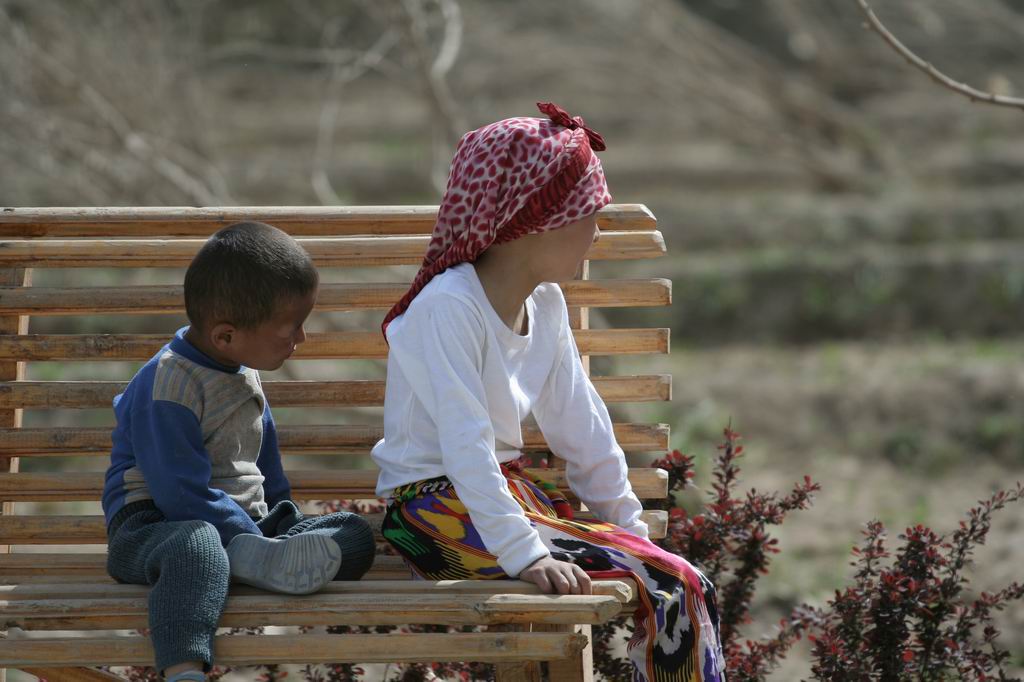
188 676
299 564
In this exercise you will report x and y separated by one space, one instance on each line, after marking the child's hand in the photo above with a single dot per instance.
552 575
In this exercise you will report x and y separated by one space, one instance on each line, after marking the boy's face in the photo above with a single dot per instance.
266 346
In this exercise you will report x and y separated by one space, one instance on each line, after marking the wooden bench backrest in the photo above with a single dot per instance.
34 468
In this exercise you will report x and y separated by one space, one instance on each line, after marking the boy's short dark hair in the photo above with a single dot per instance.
242 273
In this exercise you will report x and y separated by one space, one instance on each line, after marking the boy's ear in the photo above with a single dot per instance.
221 335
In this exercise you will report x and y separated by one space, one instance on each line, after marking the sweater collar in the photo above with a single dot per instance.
182 347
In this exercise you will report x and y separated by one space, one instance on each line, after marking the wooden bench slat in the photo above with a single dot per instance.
185 221
100 394
367 393
624 590
325 251
316 438
91 566
322 608
149 300
90 529
318 346
72 674
320 484
30 563
305 648
53 530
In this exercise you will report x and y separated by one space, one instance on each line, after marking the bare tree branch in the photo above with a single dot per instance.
971 93
135 142
452 41
341 74
446 118
744 90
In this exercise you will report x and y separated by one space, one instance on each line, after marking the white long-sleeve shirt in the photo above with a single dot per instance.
459 385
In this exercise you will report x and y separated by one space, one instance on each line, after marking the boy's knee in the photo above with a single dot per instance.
354 522
198 532
359 530
189 551
198 541
355 537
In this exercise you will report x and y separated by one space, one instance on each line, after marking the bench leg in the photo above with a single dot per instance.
579 668
516 671
520 671
11 371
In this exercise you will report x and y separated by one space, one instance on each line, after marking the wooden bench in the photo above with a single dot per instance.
57 603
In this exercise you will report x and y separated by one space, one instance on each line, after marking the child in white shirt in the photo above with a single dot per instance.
480 342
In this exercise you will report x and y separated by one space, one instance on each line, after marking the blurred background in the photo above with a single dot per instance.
846 237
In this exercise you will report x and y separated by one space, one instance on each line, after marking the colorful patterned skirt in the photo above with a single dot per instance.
676 623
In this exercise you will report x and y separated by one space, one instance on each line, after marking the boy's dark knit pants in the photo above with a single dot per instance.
187 566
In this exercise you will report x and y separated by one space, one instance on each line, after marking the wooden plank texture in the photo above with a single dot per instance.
333 297
329 439
364 345
307 648
325 251
188 221
322 608
623 589
73 675
89 567
11 369
314 484
368 393
67 529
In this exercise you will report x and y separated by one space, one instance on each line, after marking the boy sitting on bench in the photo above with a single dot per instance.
195 494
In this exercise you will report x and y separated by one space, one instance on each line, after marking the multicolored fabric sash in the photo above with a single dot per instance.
675 638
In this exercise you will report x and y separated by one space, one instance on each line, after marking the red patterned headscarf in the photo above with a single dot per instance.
508 179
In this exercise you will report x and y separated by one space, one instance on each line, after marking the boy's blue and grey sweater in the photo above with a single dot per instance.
197 438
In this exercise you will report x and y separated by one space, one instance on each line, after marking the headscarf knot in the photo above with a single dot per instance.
560 116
